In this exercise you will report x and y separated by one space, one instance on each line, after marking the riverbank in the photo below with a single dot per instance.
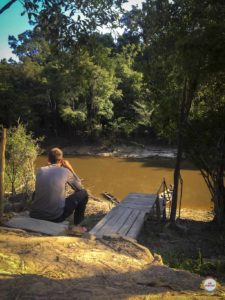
60 268
196 215
123 151
197 245
34 266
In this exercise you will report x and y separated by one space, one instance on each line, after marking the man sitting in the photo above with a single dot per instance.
49 201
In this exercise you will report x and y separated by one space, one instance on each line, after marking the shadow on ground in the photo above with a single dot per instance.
154 280
198 246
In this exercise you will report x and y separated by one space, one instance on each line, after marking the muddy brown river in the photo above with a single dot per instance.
119 176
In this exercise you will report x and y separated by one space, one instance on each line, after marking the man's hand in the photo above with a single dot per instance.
66 164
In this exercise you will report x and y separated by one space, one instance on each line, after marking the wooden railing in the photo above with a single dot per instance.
165 194
164 197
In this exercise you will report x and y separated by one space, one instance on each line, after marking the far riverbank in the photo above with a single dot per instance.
123 151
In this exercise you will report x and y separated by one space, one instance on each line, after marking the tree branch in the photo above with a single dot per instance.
7 6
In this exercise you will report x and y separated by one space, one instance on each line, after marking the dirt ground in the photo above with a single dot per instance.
33 266
197 245
37 267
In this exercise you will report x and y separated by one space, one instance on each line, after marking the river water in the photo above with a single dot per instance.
120 176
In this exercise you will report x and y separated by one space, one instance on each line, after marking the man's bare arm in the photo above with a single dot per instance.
66 164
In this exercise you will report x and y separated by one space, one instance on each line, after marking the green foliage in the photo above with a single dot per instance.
87 88
73 117
64 22
132 108
123 125
164 74
71 78
202 266
21 151
184 45
182 39
207 145
22 93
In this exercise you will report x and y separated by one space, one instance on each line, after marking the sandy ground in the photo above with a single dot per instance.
135 151
196 215
33 266
37 267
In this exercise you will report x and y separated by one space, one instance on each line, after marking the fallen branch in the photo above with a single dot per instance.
110 197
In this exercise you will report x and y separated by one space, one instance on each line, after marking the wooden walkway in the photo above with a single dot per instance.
127 218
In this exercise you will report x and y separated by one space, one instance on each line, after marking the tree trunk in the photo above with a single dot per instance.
2 171
176 178
91 109
215 183
219 202
189 89
176 175
219 190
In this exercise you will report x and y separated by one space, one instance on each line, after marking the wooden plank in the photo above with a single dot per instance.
107 228
137 207
36 225
149 196
127 216
116 227
139 201
135 229
144 200
130 221
133 195
108 225
103 221
149 205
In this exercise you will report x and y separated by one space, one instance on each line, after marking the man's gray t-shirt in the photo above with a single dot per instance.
49 199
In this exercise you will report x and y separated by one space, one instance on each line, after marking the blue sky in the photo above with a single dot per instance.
12 23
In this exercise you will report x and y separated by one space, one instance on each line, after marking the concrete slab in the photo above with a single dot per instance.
41 226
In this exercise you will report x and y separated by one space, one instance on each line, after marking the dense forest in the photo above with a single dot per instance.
162 77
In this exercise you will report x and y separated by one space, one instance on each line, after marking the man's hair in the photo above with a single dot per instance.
55 155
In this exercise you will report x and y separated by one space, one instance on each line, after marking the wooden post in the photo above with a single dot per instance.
2 171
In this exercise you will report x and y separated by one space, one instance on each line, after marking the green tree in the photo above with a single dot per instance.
76 72
131 109
21 152
91 85
206 131
63 23
21 88
180 38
